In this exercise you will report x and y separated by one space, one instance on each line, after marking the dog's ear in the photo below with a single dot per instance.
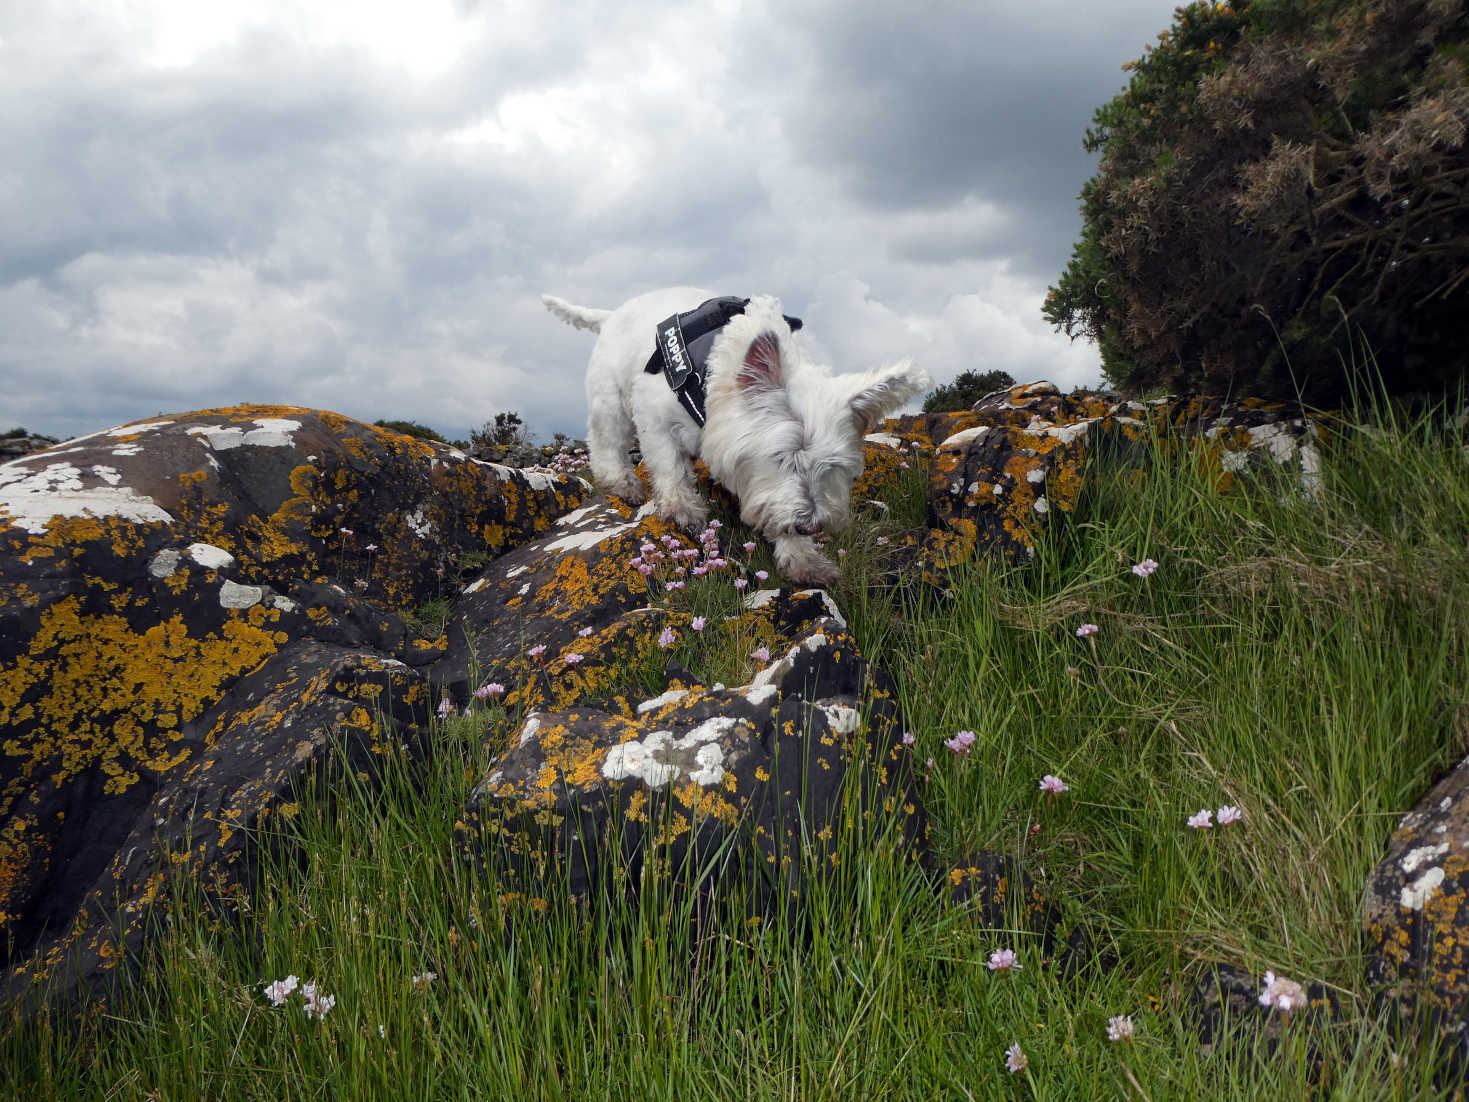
884 391
762 369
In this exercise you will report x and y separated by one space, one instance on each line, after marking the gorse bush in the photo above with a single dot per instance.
1279 180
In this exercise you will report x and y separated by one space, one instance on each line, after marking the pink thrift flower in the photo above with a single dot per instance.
1282 994
345 531
716 524
446 707
585 633
760 654
666 638
1086 629
1229 814
1120 1028
740 583
494 688
882 541
370 547
761 575
1201 819
909 738
537 650
646 569
1003 960
841 552
647 548
749 545
697 623
1052 785
360 583
1015 1060
280 990
1145 568
572 658
961 742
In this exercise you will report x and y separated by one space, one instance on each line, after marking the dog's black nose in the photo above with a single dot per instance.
807 529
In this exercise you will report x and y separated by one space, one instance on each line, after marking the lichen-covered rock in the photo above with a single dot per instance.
756 775
206 588
1006 470
1415 916
1226 1006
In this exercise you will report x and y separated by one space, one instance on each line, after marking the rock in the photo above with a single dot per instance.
1007 470
710 787
189 607
1415 919
18 442
1225 1004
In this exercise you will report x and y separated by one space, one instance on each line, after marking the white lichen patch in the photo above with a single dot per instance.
211 557
165 563
1064 433
963 438
584 541
709 767
531 726
1035 474
1041 506
1414 895
419 524
109 475
640 760
474 586
285 604
1420 855
516 571
843 719
885 438
759 695
130 430
270 432
32 499
576 516
658 701
234 595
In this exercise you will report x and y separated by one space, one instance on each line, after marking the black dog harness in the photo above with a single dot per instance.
681 350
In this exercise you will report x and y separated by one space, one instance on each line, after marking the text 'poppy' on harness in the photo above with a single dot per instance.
681 349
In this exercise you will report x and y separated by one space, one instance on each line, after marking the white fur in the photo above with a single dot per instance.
783 434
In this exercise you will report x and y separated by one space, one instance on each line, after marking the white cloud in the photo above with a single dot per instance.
357 205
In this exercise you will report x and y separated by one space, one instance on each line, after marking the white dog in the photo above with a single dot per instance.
782 433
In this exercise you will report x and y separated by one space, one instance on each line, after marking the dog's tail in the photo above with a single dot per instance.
582 317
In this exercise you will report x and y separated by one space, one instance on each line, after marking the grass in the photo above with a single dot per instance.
1298 656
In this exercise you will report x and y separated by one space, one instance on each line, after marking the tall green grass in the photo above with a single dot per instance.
1300 656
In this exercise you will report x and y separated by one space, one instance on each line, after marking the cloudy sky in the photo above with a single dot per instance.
356 205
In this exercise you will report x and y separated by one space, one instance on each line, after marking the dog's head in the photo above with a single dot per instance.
784 434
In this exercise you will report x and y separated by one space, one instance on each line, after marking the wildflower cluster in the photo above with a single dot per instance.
317 1005
1201 819
569 461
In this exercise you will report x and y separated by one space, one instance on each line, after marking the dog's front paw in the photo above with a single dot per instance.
630 489
688 514
800 561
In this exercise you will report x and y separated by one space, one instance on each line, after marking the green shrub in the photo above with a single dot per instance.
411 428
1280 180
967 388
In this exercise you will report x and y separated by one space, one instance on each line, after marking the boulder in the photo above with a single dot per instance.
1008 469
195 611
1415 917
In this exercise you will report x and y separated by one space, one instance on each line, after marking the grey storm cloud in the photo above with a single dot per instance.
358 210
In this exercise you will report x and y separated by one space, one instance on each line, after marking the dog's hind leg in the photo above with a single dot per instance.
609 442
